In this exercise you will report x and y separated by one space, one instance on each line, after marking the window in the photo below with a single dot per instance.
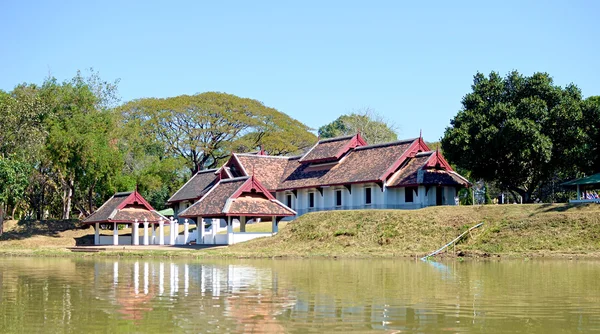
338 198
367 196
311 200
289 200
408 194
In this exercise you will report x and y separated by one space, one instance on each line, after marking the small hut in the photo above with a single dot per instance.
586 188
128 208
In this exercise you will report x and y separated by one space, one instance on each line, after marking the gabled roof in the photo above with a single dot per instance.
426 168
240 196
269 168
124 207
196 187
332 149
363 164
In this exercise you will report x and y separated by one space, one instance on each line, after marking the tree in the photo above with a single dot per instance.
13 182
591 115
205 128
374 128
517 131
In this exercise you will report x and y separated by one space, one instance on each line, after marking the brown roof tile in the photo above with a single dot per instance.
258 205
126 206
326 149
196 187
213 202
408 174
363 164
442 177
268 169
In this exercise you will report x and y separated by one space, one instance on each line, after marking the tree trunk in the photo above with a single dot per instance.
68 199
91 198
1 218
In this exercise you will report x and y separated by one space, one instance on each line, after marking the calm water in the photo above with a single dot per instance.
297 296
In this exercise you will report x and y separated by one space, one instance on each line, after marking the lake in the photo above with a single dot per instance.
298 296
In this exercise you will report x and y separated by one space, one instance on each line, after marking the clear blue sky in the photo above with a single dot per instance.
410 61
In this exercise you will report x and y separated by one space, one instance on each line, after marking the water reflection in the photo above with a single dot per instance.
74 295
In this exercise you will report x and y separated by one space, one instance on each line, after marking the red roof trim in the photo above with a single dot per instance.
330 185
258 215
436 159
135 197
418 145
251 184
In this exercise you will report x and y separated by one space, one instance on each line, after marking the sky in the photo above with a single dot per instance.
411 62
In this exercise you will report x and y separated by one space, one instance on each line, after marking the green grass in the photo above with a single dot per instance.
508 230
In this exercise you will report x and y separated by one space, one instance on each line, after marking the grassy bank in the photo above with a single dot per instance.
508 230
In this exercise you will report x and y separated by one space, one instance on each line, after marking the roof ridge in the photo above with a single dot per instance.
207 170
327 140
404 141
262 156
233 179
123 193
420 154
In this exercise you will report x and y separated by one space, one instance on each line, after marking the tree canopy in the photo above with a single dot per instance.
518 131
373 128
204 129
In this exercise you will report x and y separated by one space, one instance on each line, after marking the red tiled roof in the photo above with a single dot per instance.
332 149
424 169
196 187
124 207
363 164
236 196
268 168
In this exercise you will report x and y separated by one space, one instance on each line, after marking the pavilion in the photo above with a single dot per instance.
239 198
129 208
584 184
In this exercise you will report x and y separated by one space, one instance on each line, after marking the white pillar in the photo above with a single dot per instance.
146 232
173 234
274 227
200 231
186 232
115 235
242 224
214 227
97 234
161 232
135 235
229 231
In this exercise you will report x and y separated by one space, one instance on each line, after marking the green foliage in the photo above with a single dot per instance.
205 128
517 131
372 127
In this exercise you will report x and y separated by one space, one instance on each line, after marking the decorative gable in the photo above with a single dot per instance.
330 150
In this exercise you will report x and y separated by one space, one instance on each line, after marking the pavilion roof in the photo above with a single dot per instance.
588 180
332 149
240 196
196 187
125 207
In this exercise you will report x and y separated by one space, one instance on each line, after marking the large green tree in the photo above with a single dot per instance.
14 176
517 131
373 128
591 115
205 128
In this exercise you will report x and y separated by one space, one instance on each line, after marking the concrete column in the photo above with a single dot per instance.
229 231
200 231
186 232
213 229
115 235
161 232
242 224
135 235
97 234
274 226
146 232
173 233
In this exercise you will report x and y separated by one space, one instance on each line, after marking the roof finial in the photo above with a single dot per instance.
421 133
